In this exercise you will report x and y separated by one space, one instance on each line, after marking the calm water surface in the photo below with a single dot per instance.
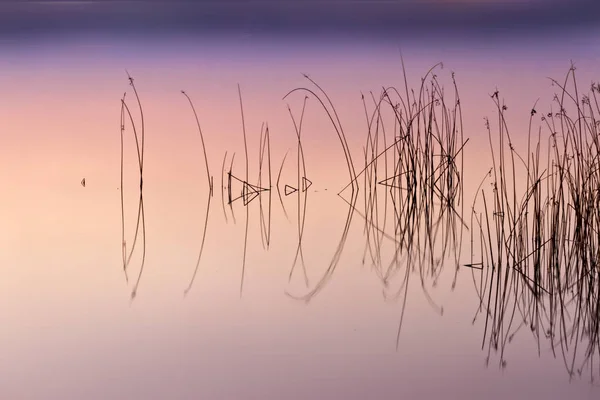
70 327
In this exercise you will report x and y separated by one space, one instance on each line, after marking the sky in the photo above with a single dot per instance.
359 17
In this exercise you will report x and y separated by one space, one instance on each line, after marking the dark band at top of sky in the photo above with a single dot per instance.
380 17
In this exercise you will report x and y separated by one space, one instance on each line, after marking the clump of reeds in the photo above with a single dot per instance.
249 191
420 174
540 244
411 183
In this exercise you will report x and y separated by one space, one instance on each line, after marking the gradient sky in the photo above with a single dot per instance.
359 17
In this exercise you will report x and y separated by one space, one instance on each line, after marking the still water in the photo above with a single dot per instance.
291 299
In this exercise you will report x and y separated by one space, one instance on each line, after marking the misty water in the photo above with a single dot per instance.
304 288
